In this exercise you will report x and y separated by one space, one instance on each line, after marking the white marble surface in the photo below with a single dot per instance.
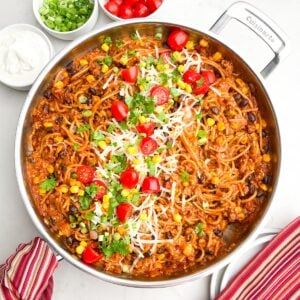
283 85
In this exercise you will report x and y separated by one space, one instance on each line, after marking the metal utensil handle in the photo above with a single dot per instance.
262 26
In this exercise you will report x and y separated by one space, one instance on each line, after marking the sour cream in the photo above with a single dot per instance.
24 51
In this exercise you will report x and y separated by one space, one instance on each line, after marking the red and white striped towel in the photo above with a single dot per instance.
273 274
27 274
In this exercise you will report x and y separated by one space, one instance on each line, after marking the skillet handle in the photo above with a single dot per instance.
262 26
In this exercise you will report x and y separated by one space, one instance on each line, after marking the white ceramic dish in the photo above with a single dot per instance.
69 35
115 18
25 85
222 277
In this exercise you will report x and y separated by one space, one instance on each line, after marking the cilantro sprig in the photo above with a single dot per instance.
48 185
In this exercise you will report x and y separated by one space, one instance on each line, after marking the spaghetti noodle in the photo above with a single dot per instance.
141 157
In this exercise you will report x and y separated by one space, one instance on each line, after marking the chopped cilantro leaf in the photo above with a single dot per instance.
111 128
85 202
131 52
106 61
163 78
185 176
108 40
96 136
119 44
176 75
121 162
89 215
199 229
91 190
134 35
116 246
48 184
76 146
83 128
202 134
198 116
123 125
87 113
174 92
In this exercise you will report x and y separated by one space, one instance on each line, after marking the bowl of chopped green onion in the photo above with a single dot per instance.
66 19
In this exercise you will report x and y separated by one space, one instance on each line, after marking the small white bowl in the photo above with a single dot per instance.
68 35
19 83
113 17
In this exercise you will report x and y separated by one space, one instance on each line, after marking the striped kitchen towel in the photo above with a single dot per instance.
273 274
27 274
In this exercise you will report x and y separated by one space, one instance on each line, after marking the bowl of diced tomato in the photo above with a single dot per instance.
128 9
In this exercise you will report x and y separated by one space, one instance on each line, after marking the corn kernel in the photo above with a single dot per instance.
264 187
217 56
188 88
166 67
142 119
235 125
181 84
74 189
132 150
266 157
185 184
238 209
64 189
107 140
257 126
122 230
104 68
80 249
141 87
106 198
177 218
189 45
210 122
221 126
130 196
42 192
215 180
203 43
83 62
74 182
188 250
124 60
36 180
156 159
105 47
244 139
90 78
134 191
48 124
245 90
263 123
181 68
160 67
143 64
143 217
240 82
177 56
80 192
136 161
50 169
219 140
161 256
125 193
59 84
58 139
102 144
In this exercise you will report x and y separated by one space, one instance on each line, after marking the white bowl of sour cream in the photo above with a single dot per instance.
24 51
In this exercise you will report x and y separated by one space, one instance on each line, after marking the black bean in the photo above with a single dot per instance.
266 148
58 120
215 110
165 45
31 160
249 178
252 88
169 235
70 68
260 193
67 101
161 250
243 103
73 210
46 108
63 154
251 117
69 240
89 101
209 252
188 237
48 94
237 97
251 189
92 91
201 179
218 232
267 179
264 133
211 186
147 254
